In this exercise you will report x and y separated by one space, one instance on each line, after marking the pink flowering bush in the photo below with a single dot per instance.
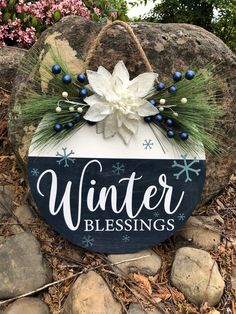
22 21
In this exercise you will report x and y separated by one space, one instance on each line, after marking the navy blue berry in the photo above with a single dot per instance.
56 69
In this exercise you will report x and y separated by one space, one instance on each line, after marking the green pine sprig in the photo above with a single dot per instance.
201 114
35 107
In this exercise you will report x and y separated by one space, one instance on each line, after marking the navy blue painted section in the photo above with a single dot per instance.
123 233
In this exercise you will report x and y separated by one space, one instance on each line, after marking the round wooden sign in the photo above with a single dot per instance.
110 197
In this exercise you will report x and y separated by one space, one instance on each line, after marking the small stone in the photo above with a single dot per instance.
147 262
202 231
136 308
22 266
27 306
197 276
89 295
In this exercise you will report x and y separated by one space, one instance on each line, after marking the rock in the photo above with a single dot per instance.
27 306
22 266
135 308
148 262
10 58
7 194
196 274
169 47
202 231
89 295
24 214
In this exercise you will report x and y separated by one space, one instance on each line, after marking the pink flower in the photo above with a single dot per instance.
3 4
97 11
44 10
20 32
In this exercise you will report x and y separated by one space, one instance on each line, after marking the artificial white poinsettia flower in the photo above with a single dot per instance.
118 103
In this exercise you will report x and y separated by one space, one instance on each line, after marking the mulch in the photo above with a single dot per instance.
67 260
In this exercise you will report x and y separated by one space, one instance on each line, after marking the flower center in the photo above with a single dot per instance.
124 105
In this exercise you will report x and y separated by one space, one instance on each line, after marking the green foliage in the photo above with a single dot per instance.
57 16
217 16
114 9
224 26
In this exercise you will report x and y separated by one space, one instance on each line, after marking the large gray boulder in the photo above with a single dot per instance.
168 47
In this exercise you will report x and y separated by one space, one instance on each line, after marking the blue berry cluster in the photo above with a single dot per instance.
177 76
189 75
67 79
166 122
77 117
58 127
83 93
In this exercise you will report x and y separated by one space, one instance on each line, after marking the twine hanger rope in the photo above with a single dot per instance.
102 33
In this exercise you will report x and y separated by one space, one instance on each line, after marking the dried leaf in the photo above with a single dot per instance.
144 282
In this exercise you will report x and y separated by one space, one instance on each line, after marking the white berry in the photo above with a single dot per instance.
58 109
79 109
64 94
71 109
162 101
184 100
175 114
161 108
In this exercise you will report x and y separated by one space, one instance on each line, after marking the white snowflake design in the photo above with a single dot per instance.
118 168
65 157
156 214
181 217
88 241
126 238
148 144
186 168
35 172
